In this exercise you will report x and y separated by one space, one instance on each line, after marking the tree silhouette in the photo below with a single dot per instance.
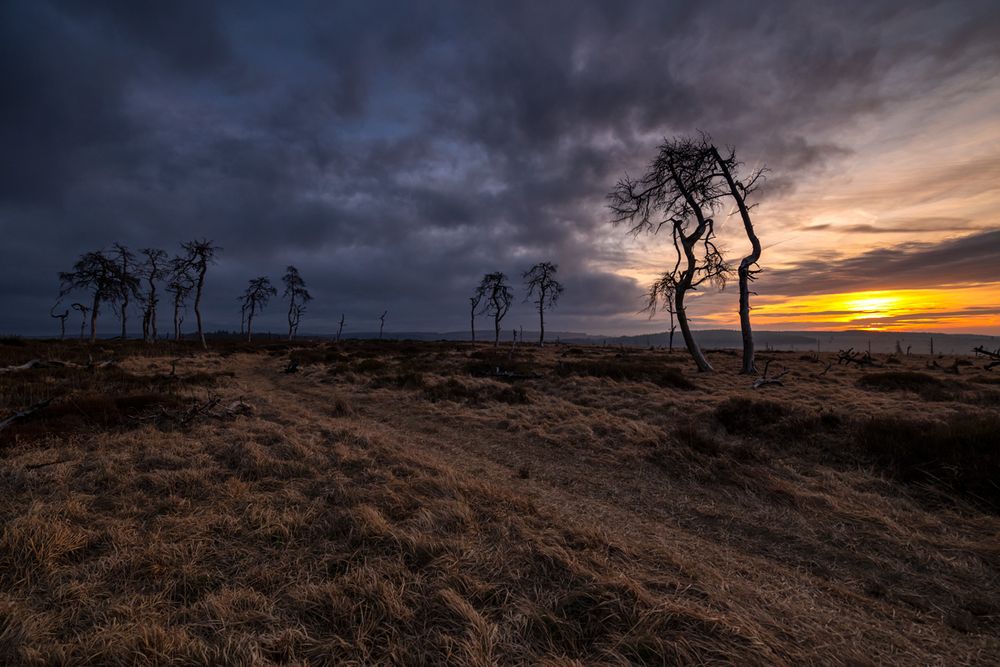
127 282
542 283
180 283
661 295
298 296
256 297
679 191
97 274
739 190
473 305
61 317
199 255
153 270
83 310
495 297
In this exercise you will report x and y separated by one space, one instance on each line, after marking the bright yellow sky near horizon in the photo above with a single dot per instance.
925 175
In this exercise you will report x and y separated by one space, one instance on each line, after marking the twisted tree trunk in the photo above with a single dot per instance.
746 265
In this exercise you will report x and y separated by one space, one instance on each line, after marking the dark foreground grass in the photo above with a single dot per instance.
960 453
382 505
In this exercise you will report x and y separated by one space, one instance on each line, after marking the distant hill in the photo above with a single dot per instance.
881 341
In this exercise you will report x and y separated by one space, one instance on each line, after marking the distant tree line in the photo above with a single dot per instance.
116 277
494 297
683 189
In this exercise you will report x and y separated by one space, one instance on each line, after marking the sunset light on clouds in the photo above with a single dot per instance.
396 156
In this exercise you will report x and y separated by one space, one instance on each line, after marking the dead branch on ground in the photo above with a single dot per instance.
24 414
763 380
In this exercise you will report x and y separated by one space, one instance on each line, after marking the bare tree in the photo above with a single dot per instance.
153 270
679 191
381 323
180 283
542 283
496 297
127 282
257 295
298 296
243 315
199 255
83 310
661 296
98 274
473 305
61 317
739 190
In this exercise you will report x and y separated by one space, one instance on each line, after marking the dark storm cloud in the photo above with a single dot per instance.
970 259
395 151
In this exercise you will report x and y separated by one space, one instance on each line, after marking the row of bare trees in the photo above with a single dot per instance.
259 292
117 277
685 186
494 297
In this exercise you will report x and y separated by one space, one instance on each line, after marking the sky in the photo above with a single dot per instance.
397 151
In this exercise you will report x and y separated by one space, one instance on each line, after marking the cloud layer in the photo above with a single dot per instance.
396 151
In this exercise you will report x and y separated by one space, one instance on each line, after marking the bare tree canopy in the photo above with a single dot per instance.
543 285
680 191
495 298
99 275
256 297
200 253
298 296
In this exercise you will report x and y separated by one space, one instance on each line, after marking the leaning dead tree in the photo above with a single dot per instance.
298 296
381 323
542 284
740 189
679 191
496 298
97 274
153 270
256 297
62 319
199 255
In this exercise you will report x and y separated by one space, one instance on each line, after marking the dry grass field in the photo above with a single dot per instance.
402 503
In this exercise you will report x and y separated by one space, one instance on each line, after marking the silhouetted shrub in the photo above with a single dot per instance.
963 453
749 416
898 381
624 369
458 392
